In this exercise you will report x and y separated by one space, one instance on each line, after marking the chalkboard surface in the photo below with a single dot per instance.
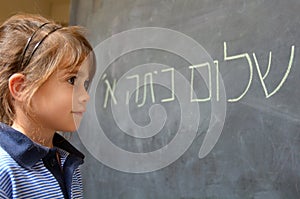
192 99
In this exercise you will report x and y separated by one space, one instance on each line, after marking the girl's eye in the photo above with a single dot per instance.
72 80
86 84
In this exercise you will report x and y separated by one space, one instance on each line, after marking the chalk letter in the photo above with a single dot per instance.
240 56
172 85
145 88
216 62
262 78
192 82
137 77
110 91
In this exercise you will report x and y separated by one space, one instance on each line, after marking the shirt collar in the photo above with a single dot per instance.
26 152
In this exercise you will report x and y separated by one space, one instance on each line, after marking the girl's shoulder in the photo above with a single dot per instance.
6 161
7 165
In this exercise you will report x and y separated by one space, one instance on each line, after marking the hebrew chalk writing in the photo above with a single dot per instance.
147 80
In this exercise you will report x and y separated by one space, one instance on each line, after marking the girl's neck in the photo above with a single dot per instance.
36 134
34 130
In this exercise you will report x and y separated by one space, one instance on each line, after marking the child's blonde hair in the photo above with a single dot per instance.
36 47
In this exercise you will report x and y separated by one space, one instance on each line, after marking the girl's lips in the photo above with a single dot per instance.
79 113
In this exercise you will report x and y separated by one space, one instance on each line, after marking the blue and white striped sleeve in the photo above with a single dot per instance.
5 176
3 195
5 184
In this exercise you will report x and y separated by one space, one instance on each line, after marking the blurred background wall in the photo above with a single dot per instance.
58 10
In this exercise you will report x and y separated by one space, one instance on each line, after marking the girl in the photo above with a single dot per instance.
44 74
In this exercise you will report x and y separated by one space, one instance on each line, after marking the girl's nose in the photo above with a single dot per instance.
80 94
84 95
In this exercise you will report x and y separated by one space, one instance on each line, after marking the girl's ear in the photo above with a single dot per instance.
16 85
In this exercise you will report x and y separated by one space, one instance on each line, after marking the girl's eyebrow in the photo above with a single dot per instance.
80 73
74 72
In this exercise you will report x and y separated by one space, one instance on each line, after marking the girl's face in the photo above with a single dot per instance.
60 102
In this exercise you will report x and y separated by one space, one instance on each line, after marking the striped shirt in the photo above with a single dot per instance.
30 170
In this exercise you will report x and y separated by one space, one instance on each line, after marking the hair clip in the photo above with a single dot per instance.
39 43
36 45
28 42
